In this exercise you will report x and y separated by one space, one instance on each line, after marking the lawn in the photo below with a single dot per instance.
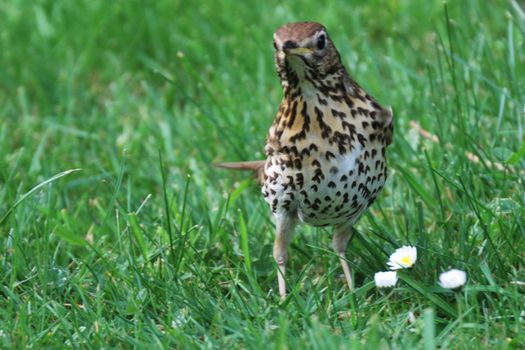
117 232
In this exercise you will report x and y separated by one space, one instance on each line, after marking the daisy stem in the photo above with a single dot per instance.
459 303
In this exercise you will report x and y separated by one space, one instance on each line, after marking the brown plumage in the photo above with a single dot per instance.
326 149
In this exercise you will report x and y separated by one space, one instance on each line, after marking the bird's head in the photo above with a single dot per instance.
304 51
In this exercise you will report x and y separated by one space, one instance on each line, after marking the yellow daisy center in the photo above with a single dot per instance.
406 260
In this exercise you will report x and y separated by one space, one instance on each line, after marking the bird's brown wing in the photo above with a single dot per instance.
385 114
387 117
256 166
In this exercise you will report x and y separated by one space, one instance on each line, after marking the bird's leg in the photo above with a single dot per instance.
285 223
340 240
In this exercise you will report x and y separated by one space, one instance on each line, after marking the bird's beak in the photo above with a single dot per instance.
299 51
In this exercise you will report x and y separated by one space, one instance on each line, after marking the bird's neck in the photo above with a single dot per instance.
308 83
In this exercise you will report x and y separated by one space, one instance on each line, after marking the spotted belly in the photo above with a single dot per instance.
324 190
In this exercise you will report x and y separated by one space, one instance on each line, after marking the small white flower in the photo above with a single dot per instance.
411 317
453 279
385 279
403 257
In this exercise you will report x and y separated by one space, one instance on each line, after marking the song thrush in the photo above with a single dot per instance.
326 149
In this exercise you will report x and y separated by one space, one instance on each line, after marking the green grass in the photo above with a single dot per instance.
149 246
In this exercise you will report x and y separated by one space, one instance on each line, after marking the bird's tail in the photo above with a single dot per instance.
256 166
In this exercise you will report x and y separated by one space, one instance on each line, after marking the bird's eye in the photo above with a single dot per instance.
321 42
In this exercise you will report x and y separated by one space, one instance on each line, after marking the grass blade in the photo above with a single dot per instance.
244 244
33 190
429 330
516 156
427 293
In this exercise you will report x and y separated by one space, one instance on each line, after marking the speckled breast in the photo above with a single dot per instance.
324 187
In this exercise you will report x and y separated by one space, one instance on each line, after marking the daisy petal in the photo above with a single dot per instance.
385 279
453 279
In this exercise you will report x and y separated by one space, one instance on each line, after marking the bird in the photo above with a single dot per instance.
326 148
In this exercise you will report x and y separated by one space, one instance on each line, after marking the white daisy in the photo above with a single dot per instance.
403 257
385 279
453 279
